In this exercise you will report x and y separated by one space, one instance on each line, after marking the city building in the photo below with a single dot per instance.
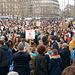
29 8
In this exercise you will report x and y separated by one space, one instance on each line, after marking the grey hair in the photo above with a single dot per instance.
73 36
40 41
2 37
13 73
64 45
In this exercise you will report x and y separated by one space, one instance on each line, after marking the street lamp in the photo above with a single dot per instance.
74 9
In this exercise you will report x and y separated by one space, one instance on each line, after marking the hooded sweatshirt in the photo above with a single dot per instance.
4 56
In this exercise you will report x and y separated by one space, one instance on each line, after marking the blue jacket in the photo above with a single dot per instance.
10 56
54 66
73 54
54 45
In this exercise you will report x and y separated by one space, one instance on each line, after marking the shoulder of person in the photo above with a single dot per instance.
26 43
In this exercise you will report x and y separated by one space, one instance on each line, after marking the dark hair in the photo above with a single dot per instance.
18 39
44 38
10 42
52 37
23 39
41 49
55 52
48 48
33 49
1 42
69 71
46 42
16 44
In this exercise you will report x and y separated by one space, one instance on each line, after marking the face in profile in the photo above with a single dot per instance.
74 39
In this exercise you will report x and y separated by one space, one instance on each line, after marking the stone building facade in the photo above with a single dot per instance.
29 8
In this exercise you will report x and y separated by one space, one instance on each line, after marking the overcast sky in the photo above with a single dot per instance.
65 2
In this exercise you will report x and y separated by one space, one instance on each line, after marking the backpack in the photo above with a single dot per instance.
72 55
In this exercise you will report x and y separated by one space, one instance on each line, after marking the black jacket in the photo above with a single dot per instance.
4 56
41 64
65 55
21 63
55 65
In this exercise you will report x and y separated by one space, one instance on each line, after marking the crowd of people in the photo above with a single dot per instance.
52 52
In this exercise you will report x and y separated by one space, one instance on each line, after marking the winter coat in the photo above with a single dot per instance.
54 65
41 64
21 63
33 45
4 56
32 63
14 51
27 46
22 35
54 45
72 54
33 60
65 55
71 45
10 56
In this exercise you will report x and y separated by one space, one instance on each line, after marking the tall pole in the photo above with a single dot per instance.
68 10
64 8
74 9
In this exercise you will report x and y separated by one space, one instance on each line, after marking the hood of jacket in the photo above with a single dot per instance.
56 57
4 47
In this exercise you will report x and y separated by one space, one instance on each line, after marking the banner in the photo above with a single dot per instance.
30 34
38 23
65 25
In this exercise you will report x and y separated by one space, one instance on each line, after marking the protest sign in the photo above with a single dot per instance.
65 25
38 23
30 34
27 23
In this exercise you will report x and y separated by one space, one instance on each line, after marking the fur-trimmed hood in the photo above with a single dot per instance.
56 57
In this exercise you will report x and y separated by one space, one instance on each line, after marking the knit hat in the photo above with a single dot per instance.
20 46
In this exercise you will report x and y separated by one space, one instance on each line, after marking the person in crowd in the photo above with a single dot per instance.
72 43
4 61
26 45
65 55
40 42
41 61
44 39
11 44
13 73
3 38
49 52
70 24
23 34
55 63
53 43
69 71
17 39
32 43
5 35
33 55
21 61
15 48
65 39
60 47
